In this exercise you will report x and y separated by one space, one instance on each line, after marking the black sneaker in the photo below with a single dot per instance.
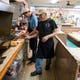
30 62
30 58
36 73
34 60
47 67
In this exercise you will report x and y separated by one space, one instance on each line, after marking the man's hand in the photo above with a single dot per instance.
27 37
45 38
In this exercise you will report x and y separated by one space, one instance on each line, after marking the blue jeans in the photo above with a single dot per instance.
38 64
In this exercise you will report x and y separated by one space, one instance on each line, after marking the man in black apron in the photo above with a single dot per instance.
46 29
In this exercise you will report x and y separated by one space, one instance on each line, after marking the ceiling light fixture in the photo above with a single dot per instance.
53 1
77 7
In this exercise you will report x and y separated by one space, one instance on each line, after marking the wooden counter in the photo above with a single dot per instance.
74 37
70 29
10 55
67 61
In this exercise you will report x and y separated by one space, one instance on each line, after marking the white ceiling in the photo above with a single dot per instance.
61 3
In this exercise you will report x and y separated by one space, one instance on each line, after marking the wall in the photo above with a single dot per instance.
68 15
17 10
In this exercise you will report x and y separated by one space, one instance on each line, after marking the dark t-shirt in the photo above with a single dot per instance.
46 27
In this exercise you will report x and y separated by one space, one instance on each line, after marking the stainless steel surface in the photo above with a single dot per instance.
5 7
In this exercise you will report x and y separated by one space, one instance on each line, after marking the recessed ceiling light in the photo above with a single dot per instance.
53 1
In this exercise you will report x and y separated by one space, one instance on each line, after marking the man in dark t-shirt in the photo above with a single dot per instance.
46 29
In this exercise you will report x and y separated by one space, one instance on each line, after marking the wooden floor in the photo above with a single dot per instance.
46 75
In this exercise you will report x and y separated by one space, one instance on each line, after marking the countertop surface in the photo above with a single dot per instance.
75 52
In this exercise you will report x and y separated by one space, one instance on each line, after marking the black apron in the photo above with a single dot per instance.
46 50
33 41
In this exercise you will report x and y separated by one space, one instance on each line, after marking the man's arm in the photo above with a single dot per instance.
45 38
53 34
33 34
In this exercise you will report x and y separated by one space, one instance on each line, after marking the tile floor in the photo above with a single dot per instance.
46 75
